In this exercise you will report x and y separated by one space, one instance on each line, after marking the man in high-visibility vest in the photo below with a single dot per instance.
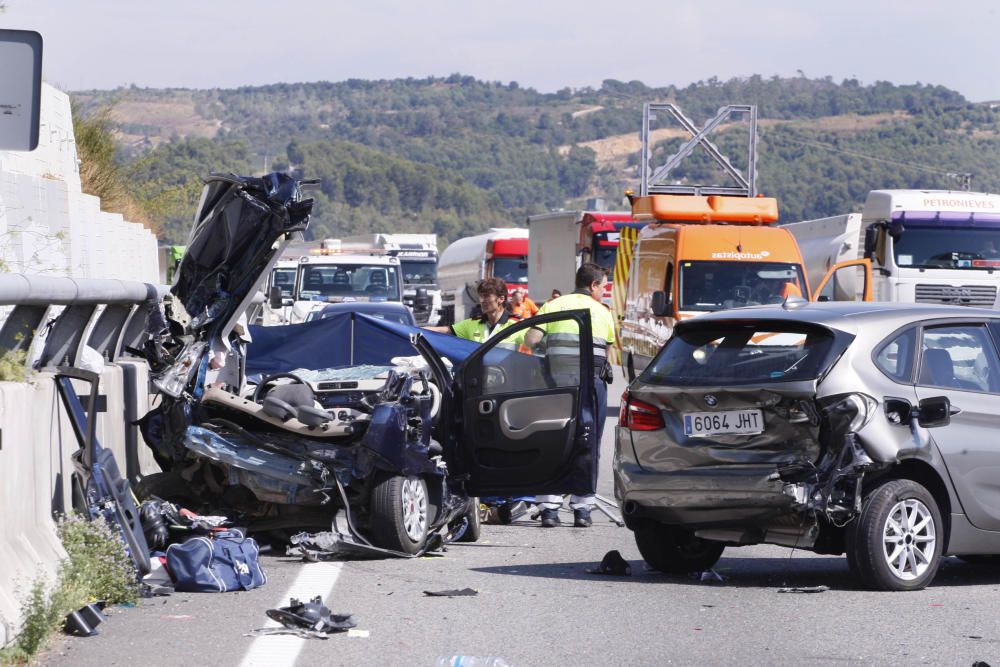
562 351
496 314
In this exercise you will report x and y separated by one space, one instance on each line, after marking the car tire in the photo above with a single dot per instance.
400 513
673 550
475 527
896 541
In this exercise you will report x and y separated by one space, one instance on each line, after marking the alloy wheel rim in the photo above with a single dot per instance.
908 539
414 498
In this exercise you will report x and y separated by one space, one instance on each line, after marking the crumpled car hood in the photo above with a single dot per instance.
231 247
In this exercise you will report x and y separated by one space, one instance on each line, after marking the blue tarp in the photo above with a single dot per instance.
343 340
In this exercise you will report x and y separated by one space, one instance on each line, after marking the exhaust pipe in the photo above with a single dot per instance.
631 508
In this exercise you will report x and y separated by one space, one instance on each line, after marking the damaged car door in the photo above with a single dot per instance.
526 421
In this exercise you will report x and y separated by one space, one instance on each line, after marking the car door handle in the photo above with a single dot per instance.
486 407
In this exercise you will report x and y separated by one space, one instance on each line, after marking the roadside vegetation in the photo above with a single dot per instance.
455 155
97 569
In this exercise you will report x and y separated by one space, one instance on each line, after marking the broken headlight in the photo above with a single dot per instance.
175 378
852 411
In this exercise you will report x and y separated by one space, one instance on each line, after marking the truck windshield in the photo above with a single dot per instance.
940 247
709 286
419 273
513 270
284 279
358 281
605 250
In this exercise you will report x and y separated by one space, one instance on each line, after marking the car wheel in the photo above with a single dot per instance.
674 550
399 513
896 541
475 526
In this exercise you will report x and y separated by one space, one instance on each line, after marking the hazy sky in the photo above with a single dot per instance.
545 44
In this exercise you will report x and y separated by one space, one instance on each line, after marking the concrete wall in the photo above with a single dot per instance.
36 471
48 226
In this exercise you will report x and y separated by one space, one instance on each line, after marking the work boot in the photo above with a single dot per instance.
550 518
581 517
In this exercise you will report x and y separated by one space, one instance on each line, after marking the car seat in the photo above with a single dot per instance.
377 282
938 370
341 281
314 282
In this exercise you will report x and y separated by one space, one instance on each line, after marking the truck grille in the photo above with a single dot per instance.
965 295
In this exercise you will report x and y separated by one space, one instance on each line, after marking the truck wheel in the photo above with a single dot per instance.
399 513
897 540
475 526
674 550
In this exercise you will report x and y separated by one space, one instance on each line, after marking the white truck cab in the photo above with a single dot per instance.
319 280
909 246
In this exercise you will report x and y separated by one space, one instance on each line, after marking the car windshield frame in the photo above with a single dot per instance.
733 286
931 238
760 346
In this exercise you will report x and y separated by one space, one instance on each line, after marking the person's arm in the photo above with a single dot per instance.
533 337
446 330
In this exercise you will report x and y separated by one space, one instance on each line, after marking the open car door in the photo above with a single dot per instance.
846 281
526 422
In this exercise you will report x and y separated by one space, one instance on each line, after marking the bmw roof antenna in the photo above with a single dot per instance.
794 302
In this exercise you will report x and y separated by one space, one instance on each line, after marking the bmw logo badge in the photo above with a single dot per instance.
711 400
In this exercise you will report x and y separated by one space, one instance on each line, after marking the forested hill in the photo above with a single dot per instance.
456 155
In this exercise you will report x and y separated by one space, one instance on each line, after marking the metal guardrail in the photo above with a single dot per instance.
107 315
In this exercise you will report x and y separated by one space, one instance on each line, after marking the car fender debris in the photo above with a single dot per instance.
613 564
312 616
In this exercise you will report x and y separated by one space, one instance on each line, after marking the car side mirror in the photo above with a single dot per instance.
871 240
274 297
934 412
660 303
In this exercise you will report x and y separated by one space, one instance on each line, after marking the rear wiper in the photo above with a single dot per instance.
796 363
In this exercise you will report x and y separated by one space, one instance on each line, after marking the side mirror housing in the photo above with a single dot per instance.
871 240
274 297
660 303
934 412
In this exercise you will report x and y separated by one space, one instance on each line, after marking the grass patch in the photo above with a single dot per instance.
97 567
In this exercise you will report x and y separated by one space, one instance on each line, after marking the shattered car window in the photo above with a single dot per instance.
743 354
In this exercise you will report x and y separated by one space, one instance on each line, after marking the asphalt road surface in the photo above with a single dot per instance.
537 606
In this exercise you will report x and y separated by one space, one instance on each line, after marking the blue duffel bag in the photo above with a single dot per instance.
224 561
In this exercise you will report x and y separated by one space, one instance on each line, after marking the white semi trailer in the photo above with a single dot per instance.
910 246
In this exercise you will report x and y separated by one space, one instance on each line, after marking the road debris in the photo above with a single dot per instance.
313 617
804 589
453 593
613 564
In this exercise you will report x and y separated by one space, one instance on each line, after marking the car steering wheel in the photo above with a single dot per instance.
261 391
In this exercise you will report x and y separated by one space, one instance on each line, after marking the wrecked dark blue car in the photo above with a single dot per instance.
378 433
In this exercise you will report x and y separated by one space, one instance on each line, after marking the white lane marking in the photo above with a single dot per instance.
283 650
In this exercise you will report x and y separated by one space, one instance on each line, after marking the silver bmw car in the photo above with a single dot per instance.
866 429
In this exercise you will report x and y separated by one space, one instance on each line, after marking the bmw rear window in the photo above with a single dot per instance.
739 353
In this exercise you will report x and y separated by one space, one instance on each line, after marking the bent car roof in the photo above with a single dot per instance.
846 316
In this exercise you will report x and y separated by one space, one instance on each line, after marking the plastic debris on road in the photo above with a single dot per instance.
453 593
804 589
710 576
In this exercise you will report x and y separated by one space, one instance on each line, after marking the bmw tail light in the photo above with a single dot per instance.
638 415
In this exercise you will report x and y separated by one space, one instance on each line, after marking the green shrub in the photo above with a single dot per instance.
97 567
